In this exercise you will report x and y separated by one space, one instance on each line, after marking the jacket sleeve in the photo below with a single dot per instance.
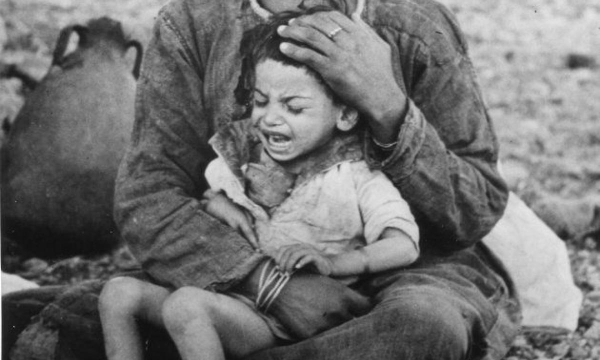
161 176
445 162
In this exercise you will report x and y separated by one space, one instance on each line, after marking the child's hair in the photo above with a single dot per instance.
262 43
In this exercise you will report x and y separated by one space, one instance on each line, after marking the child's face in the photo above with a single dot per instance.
293 113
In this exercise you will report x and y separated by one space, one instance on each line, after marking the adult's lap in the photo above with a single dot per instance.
442 308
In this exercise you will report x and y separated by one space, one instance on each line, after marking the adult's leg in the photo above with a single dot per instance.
418 324
442 308
122 302
19 308
211 325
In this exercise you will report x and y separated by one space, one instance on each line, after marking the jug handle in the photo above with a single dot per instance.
63 42
138 57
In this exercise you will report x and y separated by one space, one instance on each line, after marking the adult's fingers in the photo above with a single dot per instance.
326 22
304 55
248 232
358 21
295 257
305 260
251 230
283 256
321 265
244 227
312 37
365 29
288 256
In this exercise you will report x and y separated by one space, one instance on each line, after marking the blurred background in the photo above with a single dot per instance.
538 62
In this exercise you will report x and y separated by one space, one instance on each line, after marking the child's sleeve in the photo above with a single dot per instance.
220 178
381 205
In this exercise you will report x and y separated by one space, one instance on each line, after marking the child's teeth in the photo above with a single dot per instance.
278 138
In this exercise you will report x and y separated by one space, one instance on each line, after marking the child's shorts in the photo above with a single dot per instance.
306 305
274 325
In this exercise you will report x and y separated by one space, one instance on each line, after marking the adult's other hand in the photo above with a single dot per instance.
219 206
354 61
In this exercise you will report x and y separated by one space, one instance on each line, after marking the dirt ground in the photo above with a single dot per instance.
538 65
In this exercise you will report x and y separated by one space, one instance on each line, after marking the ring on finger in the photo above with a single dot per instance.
334 32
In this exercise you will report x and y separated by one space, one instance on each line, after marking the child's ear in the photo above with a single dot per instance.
348 119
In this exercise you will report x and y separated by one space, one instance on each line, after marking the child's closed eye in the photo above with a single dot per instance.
259 99
295 109
260 103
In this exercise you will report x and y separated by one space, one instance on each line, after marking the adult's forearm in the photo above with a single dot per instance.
456 196
160 181
175 241
445 161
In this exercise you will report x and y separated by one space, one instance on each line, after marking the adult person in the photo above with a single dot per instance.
404 66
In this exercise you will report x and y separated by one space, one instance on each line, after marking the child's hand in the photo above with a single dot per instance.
297 256
221 207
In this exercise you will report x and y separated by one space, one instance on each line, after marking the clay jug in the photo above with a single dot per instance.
60 159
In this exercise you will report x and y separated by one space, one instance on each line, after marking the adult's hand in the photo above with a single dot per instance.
221 207
354 61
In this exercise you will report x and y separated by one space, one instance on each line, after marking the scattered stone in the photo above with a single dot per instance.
520 341
594 296
595 353
509 56
540 355
560 350
11 98
34 266
579 353
592 234
593 332
3 35
26 66
124 259
514 172
18 34
11 101
578 61
566 217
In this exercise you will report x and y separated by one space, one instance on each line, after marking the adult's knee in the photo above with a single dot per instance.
428 327
121 295
185 305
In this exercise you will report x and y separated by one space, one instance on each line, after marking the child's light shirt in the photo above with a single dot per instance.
337 205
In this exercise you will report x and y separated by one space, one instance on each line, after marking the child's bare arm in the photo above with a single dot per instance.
394 249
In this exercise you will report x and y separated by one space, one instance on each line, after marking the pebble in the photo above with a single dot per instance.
35 265
579 353
594 296
3 34
593 332
577 61
520 341
560 350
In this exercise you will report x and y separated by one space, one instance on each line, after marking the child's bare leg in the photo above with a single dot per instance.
210 325
122 301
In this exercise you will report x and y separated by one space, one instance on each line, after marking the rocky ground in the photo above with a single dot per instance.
538 64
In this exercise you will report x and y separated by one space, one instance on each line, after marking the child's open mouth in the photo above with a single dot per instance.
277 140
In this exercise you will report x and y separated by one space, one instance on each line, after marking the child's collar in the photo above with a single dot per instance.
237 141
